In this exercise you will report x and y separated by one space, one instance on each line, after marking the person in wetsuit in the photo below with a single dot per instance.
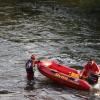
30 68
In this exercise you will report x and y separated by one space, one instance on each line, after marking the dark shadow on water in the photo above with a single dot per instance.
5 92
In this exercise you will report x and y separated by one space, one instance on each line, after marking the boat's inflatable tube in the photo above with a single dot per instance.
63 75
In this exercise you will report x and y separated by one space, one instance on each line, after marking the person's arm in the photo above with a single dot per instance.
96 68
84 72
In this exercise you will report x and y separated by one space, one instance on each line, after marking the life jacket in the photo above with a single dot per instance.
90 68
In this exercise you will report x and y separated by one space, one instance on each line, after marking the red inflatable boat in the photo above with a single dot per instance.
62 74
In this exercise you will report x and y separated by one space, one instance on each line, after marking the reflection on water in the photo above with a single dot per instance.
47 30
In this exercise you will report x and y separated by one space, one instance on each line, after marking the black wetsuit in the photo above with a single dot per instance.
29 69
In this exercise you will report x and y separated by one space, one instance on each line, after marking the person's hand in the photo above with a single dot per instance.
83 77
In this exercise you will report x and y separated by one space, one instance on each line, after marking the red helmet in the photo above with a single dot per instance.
33 57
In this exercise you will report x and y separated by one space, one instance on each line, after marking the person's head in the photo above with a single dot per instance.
33 57
91 61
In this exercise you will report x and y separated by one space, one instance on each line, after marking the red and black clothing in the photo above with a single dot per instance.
90 68
90 72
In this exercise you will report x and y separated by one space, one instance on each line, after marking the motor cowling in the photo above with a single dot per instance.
93 79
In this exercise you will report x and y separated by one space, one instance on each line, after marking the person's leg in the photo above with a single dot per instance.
30 73
30 76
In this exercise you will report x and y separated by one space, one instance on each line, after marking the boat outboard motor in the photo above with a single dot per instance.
93 79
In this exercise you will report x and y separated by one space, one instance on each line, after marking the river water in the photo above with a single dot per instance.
49 30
